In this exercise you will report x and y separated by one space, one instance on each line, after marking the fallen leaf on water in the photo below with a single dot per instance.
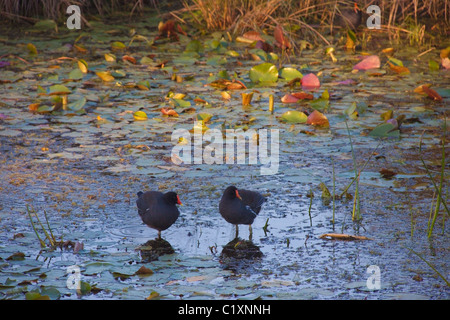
105 76
152 295
431 93
140 116
32 49
310 81
169 112
129 59
399 69
370 62
82 65
294 116
144 271
341 236
317 118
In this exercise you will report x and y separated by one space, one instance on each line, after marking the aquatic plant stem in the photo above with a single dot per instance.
334 191
42 243
356 214
430 265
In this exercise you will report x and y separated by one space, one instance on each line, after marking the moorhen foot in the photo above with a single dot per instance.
158 210
240 207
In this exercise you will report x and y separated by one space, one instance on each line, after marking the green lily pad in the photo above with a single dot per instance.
385 130
58 89
76 74
290 73
264 72
77 105
294 116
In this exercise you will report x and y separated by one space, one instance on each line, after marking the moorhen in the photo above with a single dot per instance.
240 207
348 18
158 210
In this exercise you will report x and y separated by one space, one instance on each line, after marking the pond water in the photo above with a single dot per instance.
83 167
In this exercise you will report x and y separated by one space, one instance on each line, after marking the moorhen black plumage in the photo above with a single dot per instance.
240 207
348 18
158 210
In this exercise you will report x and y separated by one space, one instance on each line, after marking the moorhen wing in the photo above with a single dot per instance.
240 206
158 210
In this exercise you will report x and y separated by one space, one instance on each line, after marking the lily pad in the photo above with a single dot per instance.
264 72
290 73
294 116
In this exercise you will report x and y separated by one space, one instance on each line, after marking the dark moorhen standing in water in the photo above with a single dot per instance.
158 210
240 207
348 18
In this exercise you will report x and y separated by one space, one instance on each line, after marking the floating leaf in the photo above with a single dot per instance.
399 69
32 49
129 59
204 116
76 74
265 72
385 130
432 94
342 236
58 89
294 116
395 62
290 73
169 112
117 45
77 105
82 65
105 76
110 57
370 62
310 81
140 116
317 118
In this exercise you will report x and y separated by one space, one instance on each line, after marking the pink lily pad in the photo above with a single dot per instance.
371 62
310 81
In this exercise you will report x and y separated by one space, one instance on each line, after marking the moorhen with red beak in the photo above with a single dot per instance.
158 210
240 207
348 18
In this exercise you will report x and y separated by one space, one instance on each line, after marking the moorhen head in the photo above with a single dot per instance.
158 210
240 206
348 18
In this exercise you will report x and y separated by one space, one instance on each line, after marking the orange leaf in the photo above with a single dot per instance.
399 69
129 59
33 107
169 112
303 95
431 93
317 118
80 48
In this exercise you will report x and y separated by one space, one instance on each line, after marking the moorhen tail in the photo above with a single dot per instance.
240 206
158 210
348 18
